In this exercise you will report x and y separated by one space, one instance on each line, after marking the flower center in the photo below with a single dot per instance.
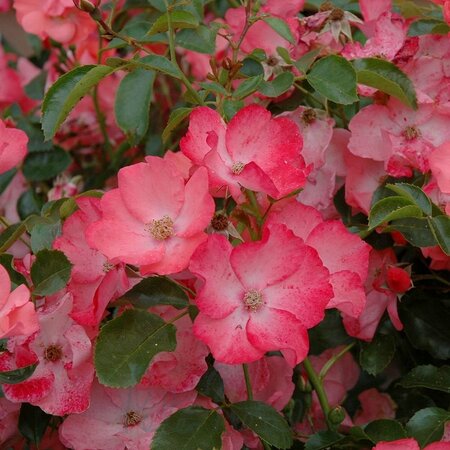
237 167
131 419
161 229
53 353
411 132
337 14
309 116
219 222
107 266
253 300
272 61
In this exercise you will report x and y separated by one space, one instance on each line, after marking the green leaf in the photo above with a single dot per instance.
6 178
132 104
17 375
323 440
43 235
384 430
176 117
214 86
154 291
192 428
29 203
428 26
416 231
278 86
247 87
231 107
392 208
265 421
36 87
33 422
6 260
281 27
427 425
251 68
179 19
386 77
414 194
202 39
211 385
431 377
50 272
376 355
440 226
127 344
159 63
335 78
306 61
40 166
66 92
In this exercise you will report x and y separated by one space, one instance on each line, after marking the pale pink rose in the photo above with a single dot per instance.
154 219
62 380
94 281
439 260
121 418
259 296
9 417
270 378
57 19
13 147
410 444
254 151
17 314
374 405
440 166
373 9
344 254
10 86
285 9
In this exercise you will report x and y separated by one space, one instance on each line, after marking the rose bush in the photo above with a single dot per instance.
224 224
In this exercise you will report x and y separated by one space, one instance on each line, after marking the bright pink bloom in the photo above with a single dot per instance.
401 137
9 416
13 147
254 151
410 444
379 298
57 19
17 314
398 280
440 166
259 296
344 254
374 405
271 380
94 280
121 418
62 381
153 220
439 260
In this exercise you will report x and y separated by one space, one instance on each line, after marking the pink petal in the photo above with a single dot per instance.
440 166
349 294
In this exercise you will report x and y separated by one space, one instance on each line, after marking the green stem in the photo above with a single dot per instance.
320 391
248 383
333 360
184 313
13 238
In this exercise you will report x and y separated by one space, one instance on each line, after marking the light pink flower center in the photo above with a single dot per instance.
309 116
253 300
53 353
411 132
161 229
237 167
131 419
219 222
107 266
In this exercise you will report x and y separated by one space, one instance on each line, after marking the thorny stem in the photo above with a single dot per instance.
248 383
320 391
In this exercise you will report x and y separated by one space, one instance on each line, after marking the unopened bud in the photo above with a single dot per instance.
337 415
89 6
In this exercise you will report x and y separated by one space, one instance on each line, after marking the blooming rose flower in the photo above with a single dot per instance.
154 219
374 405
259 296
410 444
254 151
17 314
13 147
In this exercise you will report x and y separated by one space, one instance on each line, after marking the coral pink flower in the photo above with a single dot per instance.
17 314
259 296
344 254
271 380
440 166
57 19
62 380
9 416
253 151
410 444
153 220
401 137
374 405
121 418
380 297
13 147
94 280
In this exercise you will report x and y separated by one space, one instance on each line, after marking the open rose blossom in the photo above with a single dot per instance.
153 220
410 444
253 151
259 296
17 314
13 147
